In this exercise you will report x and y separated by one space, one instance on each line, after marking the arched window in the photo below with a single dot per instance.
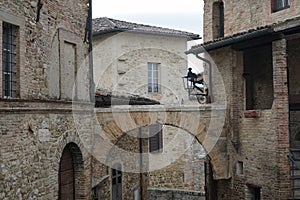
218 19
116 176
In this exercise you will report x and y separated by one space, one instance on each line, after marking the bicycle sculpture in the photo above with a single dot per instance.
196 86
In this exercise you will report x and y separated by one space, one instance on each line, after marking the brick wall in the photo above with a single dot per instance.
260 143
244 15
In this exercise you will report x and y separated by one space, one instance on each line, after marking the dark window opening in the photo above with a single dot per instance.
95 193
9 60
258 74
240 167
116 182
297 137
253 192
156 138
278 5
293 59
218 19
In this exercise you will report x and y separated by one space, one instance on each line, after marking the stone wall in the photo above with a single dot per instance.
34 128
250 15
174 195
39 56
180 164
32 142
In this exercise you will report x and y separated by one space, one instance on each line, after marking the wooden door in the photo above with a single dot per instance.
66 176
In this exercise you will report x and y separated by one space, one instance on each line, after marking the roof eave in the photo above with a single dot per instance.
229 41
115 30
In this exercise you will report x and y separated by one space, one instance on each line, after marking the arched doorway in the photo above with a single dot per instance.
70 171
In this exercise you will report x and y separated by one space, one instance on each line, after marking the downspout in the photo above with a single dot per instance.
91 69
91 74
209 75
141 163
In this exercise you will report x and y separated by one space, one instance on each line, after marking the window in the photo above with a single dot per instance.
258 74
117 182
9 61
155 139
136 193
152 77
218 19
280 5
253 192
240 167
95 194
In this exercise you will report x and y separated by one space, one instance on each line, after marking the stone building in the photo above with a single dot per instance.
149 62
255 47
139 59
42 53
51 149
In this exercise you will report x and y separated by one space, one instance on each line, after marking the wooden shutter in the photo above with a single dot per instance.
155 139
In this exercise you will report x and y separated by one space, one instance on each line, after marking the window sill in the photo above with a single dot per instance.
280 9
251 114
156 152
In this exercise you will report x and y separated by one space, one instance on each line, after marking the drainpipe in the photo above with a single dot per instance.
91 82
141 163
210 92
90 37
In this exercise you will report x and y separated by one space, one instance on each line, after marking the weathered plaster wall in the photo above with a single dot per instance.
121 61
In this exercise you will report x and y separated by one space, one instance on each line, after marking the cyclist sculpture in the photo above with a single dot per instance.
196 85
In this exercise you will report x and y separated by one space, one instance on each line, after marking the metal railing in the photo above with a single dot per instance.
294 166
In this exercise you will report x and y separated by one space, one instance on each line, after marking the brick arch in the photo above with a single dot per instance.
71 140
114 125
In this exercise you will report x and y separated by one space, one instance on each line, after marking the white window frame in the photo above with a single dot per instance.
153 77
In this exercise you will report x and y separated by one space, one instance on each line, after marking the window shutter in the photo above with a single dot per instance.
155 140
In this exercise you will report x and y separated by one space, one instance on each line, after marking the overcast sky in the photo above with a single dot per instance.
185 15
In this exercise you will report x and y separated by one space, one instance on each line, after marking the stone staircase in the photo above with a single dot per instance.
295 173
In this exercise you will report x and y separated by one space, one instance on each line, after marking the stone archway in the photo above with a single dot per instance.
205 124
70 149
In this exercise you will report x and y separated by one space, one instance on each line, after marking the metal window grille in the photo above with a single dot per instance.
9 60
152 77
281 4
